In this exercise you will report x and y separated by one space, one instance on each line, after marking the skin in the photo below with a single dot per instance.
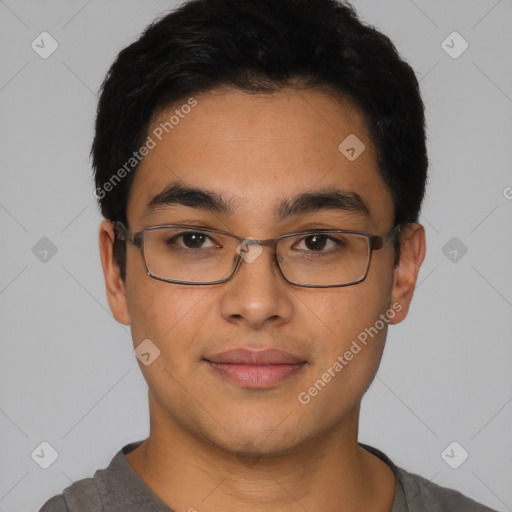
216 446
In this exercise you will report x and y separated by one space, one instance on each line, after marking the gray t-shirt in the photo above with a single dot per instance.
118 488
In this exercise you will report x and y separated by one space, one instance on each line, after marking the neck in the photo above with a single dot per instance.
330 472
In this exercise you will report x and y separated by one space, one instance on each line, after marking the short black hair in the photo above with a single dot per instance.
260 46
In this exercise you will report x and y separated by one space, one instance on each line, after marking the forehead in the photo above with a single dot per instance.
259 150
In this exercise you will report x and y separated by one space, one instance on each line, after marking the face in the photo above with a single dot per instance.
257 151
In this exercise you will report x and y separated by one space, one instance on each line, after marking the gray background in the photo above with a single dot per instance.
68 374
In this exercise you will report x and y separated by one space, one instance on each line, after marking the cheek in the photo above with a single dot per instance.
165 313
344 312
348 356
352 326
170 316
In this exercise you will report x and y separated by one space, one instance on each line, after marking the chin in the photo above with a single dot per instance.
264 437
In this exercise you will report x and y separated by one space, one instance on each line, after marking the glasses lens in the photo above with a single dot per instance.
324 259
189 255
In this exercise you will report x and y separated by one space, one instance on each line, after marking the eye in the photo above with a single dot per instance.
317 242
193 240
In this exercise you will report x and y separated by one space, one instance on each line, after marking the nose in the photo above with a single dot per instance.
257 294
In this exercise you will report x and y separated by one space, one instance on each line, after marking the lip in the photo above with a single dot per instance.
252 369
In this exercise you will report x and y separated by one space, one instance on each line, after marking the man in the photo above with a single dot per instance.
261 166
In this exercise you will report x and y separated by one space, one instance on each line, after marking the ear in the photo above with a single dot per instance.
113 282
412 254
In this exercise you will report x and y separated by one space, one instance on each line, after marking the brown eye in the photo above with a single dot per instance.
192 240
318 242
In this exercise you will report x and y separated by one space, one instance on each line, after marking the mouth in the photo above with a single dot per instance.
252 369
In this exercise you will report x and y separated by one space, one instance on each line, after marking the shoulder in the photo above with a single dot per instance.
414 493
106 488
55 504
81 496
422 494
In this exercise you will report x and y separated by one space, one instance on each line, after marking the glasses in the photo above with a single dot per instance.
187 254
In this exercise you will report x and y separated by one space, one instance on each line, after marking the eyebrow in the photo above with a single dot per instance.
320 200
332 198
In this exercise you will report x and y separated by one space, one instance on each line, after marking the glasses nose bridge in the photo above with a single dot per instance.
262 243
269 242
243 242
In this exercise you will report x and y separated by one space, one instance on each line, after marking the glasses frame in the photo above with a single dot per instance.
375 243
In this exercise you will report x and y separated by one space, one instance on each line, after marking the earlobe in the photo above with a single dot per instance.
113 283
412 254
